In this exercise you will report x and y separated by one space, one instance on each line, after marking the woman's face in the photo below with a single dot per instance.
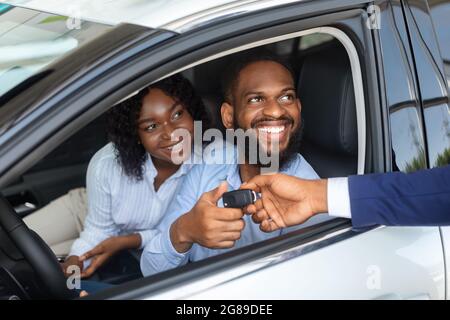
160 116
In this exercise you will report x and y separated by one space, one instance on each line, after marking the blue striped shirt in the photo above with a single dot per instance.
120 205
159 254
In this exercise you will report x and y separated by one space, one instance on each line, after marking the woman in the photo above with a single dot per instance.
131 181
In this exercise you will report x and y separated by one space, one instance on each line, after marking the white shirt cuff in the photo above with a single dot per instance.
339 198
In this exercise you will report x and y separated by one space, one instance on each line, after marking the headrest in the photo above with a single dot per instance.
325 89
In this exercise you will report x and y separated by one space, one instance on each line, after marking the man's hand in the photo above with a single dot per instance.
208 225
285 200
101 253
71 261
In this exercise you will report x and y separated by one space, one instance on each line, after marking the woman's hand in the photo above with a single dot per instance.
71 261
83 294
101 253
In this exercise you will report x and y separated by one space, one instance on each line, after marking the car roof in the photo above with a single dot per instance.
175 15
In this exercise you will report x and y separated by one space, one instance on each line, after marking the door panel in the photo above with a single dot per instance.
385 263
60 171
39 188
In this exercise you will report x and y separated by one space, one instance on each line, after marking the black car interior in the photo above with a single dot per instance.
330 143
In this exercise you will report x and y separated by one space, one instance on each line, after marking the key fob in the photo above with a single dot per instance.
238 198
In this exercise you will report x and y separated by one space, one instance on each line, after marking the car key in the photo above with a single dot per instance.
238 198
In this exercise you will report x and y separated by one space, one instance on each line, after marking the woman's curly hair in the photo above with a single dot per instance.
123 118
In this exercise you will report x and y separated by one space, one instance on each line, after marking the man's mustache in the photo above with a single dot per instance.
285 119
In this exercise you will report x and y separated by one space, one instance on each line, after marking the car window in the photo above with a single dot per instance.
30 40
440 115
440 11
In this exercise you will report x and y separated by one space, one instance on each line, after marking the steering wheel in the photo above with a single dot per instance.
36 252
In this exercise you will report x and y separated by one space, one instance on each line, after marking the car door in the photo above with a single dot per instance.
63 169
331 260
386 263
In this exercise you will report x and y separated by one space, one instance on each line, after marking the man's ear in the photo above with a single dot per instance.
227 113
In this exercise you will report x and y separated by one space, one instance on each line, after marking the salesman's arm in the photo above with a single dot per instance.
421 198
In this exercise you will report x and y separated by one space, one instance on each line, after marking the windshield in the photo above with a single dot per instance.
30 40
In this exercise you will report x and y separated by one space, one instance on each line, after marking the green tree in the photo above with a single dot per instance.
418 162
443 159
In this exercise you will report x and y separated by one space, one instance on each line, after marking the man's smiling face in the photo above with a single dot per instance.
264 98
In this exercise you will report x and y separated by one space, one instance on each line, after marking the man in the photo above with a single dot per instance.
259 94
421 198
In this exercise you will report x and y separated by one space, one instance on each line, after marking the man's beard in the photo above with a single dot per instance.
285 156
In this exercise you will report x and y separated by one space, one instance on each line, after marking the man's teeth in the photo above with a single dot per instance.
271 129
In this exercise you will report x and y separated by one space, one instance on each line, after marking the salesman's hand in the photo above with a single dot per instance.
285 200
101 253
207 224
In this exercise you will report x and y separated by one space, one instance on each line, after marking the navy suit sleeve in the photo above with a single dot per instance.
421 198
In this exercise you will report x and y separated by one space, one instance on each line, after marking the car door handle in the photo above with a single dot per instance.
25 208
